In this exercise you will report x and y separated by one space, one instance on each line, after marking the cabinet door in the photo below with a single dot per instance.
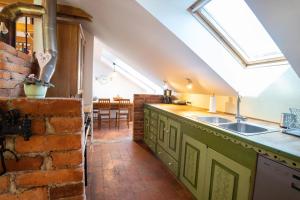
162 128
226 179
65 77
173 142
193 158
146 124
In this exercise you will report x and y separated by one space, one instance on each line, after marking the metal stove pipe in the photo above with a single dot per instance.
49 39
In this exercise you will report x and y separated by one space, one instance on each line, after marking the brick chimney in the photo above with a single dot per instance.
14 67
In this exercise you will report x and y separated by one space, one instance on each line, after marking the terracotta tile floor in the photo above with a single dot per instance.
120 169
112 134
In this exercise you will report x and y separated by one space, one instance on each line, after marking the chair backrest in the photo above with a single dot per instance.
123 104
104 104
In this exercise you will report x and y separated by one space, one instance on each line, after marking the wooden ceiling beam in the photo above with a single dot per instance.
72 12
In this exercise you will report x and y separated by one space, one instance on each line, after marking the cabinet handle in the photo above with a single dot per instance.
294 186
296 177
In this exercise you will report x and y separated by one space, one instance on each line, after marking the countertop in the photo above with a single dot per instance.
283 147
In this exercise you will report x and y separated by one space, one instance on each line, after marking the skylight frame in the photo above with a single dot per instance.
206 22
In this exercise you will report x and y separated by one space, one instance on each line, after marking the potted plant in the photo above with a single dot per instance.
34 87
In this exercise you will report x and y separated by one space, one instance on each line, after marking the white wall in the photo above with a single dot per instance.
116 85
88 69
277 98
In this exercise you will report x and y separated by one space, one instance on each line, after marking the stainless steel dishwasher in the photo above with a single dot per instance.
275 181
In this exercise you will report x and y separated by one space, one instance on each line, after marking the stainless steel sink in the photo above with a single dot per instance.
211 119
214 120
245 128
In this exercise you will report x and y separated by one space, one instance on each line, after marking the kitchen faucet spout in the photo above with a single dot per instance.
238 116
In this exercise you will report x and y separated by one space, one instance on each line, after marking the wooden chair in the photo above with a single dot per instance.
123 110
104 108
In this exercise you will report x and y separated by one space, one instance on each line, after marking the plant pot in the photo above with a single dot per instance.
35 91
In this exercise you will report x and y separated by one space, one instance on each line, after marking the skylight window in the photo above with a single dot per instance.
237 28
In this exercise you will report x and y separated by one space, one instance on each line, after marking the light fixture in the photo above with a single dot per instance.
114 74
189 84
165 85
3 28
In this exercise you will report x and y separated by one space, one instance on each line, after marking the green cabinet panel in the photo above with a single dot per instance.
193 158
153 130
154 114
151 145
162 131
153 137
173 134
226 179
153 122
146 124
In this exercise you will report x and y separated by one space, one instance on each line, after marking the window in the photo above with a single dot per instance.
234 24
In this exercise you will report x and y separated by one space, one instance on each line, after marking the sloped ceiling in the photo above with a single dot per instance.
281 20
144 43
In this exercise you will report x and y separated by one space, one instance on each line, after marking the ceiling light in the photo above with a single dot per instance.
165 85
189 84
114 74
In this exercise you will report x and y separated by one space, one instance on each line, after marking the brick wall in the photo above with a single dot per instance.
138 113
51 162
14 66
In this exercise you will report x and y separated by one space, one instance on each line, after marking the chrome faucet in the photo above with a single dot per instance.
238 116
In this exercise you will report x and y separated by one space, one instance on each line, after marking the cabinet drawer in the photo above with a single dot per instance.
154 115
167 160
153 130
151 145
146 112
153 122
153 137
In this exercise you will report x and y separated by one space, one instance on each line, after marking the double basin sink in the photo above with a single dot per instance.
242 128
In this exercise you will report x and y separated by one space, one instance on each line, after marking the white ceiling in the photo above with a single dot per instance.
139 39
148 46
281 19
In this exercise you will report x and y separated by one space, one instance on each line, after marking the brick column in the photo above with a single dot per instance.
51 162
138 113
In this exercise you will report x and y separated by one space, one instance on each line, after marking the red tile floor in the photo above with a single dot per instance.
120 169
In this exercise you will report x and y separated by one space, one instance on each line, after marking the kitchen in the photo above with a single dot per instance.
212 101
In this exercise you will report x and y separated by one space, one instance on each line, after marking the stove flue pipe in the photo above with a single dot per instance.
49 39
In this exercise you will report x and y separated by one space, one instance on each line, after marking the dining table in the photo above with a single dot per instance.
114 105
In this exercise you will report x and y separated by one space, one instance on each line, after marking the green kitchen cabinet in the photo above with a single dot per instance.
226 179
168 160
150 128
146 124
162 131
193 158
169 133
205 159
